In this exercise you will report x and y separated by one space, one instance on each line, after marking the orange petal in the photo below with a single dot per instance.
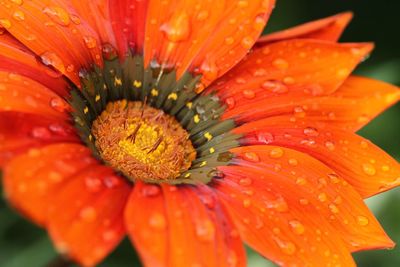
16 58
19 93
289 68
186 226
20 132
328 29
352 106
336 201
97 14
129 20
276 224
210 37
86 215
32 179
53 30
365 166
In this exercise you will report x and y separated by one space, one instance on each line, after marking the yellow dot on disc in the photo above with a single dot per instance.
204 163
154 92
86 110
189 105
196 118
117 81
208 136
173 96
212 150
97 98
137 83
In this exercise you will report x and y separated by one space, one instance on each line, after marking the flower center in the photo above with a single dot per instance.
142 142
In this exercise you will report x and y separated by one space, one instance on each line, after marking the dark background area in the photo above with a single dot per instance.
22 244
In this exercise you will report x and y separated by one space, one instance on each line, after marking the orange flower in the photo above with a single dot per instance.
129 117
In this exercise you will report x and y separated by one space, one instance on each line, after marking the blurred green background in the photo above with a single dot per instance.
24 245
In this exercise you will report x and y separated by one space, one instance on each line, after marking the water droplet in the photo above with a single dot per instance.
245 181
109 235
230 102
279 205
209 70
151 190
208 201
75 19
276 153
41 133
251 156
177 29
304 201
232 259
369 169
334 209
202 15
280 64
364 144
205 230
330 145
334 178
5 23
59 104
52 59
293 162
18 2
88 214
58 15
249 94
287 247
109 51
275 87
297 227
243 3
247 42
322 197
111 181
19 15
265 137
157 221
310 131
93 184
246 203
362 220
90 42
259 22
229 40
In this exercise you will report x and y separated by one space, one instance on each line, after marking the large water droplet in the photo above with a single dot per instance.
369 169
151 190
287 247
279 205
177 29
52 59
5 23
245 181
276 153
275 87
41 133
265 137
57 14
310 131
280 64
59 104
19 15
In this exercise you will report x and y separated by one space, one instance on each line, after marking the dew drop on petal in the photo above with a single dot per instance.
249 94
5 23
322 197
275 87
330 145
245 181
151 190
209 70
287 247
334 178
205 230
362 220
232 259
157 221
280 64
51 59
177 29
88 214
310 131
57 14
247 42
278 204
265 137
297 227
93 184
276 153
230 102
90 42
251 156
19 15
58 104
41 133
293 162
334 209
369 169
